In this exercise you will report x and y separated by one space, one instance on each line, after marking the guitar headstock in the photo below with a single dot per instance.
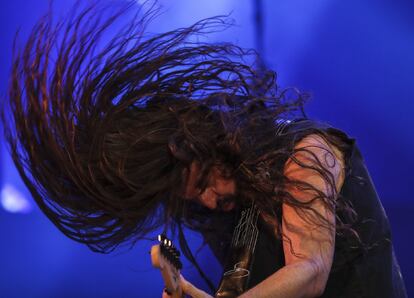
167 258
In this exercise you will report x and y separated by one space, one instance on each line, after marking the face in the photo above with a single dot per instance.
219 191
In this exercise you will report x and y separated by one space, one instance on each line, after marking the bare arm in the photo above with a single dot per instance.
307 268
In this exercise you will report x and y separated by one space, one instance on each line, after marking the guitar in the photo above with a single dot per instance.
166 257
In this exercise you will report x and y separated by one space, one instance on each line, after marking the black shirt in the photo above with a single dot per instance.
365 268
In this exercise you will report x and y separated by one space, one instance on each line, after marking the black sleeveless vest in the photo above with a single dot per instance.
363 271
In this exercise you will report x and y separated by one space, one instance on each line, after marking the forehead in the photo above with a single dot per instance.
192 176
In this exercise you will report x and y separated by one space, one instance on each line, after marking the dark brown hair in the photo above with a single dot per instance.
102 135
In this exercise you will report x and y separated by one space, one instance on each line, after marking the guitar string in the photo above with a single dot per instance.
245 234
246 231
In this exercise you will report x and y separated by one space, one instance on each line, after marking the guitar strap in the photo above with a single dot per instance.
240 256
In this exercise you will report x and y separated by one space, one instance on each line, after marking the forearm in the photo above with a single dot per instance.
296 280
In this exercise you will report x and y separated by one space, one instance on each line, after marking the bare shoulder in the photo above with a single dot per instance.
315 148
317 143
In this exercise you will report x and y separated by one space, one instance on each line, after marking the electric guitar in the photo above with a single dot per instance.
166 257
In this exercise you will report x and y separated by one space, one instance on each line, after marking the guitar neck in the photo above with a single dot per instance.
166 258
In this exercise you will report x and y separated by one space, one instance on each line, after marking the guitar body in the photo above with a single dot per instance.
166 258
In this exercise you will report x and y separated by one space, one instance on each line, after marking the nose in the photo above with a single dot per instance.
209 198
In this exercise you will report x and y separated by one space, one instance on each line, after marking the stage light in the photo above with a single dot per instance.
13 200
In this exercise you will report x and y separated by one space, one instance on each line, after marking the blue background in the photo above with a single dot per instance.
354 57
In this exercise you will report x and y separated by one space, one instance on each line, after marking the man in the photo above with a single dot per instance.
159 131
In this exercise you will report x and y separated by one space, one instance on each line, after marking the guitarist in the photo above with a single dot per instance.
114 141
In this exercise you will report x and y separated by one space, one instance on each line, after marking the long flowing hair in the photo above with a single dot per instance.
103 134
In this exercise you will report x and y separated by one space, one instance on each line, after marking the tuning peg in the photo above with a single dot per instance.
161 238
174 253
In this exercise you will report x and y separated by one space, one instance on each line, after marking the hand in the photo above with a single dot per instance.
189 289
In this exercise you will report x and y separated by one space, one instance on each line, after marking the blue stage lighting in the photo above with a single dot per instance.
13 200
